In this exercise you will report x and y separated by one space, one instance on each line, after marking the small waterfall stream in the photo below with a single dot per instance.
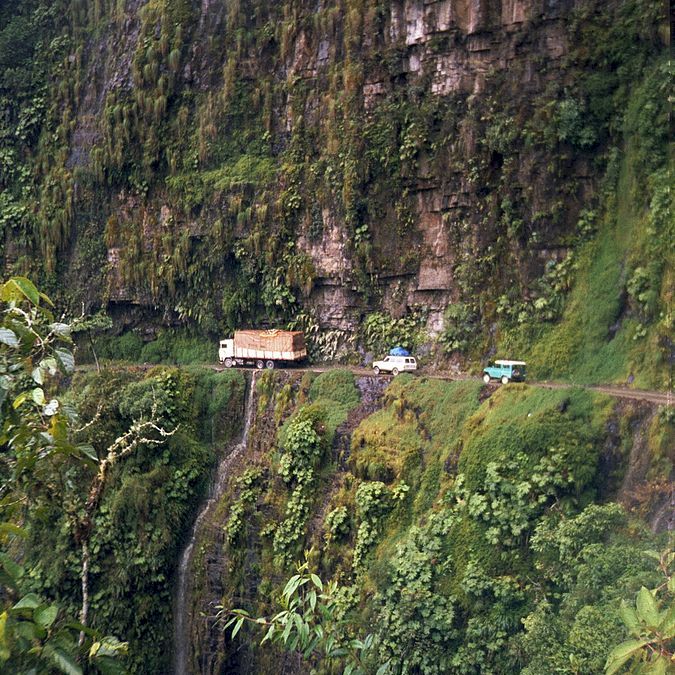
181 615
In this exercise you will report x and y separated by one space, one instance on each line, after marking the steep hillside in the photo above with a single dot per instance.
470 531
469 528
490 173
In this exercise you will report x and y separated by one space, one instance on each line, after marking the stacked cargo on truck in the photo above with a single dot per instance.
263 348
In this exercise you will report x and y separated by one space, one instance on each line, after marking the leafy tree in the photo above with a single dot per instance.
312 624
35 435
651 624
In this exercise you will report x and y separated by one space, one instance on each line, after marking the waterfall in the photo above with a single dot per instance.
181 613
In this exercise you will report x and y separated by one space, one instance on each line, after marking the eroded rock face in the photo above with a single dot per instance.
481 40
478 66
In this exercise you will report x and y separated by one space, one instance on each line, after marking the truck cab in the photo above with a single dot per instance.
226 350
505 370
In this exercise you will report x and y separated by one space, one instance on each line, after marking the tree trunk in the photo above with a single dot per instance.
85 588
93 351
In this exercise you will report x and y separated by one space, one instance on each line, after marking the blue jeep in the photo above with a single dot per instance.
506 371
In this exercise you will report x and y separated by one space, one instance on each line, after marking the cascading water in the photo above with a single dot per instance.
181 615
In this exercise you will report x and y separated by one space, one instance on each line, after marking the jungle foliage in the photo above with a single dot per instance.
463 536
105 471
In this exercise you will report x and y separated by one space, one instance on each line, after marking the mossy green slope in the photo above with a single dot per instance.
429 525
617 323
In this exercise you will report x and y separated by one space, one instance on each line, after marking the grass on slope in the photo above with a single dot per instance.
606 335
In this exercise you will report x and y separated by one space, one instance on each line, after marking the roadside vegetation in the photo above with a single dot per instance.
458 536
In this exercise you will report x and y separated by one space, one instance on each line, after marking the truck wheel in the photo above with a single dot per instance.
228 363
505 380
486 378
376 370
269 364
394 371
259 364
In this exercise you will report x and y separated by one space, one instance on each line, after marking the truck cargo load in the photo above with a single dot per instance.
262 348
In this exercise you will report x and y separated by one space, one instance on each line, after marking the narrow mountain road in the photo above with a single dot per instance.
657 397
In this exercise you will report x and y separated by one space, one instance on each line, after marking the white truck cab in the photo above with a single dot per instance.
394 364
226 350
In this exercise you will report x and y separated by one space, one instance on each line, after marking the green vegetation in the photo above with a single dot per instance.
616 317
169 347
38 438
612 300
465 536
456 533
190 169
382 332
96 482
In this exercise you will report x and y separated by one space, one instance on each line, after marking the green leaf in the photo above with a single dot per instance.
658 667
30 601
66 359
5 652
652 554
317 581
291 585
60 329
79 627
38 396
88 452
667 625
622 653
17 286
62 660
8 337
10 572
269 634
21 398
11 528
237 627
109 666
37 375
647 609
630 618
50 365
46 616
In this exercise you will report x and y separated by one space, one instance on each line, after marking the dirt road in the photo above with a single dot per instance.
657 397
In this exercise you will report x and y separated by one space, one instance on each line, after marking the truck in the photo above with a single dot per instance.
504 370
262 348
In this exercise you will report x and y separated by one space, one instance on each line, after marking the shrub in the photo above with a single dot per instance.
574 124
381 332
460 325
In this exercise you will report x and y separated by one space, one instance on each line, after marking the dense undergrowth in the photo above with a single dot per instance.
469 529
148 505
467 535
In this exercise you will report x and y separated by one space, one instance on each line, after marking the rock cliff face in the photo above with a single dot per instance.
459 57
217 163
